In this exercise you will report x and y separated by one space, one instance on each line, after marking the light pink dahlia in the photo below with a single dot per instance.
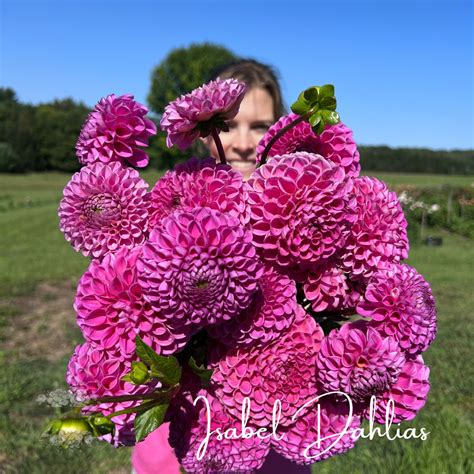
336 143
111 310
379 234
400 304
104 207
408 394
199 267
301 209
283 370
194 115
188 428
271 312
114 131
358 361
95 373
335 429
199 183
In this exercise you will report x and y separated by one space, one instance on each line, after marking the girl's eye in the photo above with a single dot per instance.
261 127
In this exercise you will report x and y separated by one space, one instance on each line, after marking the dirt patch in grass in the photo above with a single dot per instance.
40 325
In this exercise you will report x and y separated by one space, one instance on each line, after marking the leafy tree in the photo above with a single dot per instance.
185 69
57 127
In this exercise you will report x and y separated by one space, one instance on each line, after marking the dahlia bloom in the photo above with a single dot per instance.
301 209
400 304
271 312
336 143
111 310
408 394
199 183
379 234
194 115
104 207
95 373
302 437
114 131
330 289
283 369
199 267
188 428
358 361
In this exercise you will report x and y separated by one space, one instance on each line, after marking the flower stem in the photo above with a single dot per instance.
220 149
281 132
155 396
137 409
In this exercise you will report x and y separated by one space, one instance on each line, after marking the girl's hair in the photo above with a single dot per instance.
255 74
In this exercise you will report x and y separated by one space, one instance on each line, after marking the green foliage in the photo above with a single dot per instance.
183 70
201 371
39 137
138 374
148 421
417 160
166 369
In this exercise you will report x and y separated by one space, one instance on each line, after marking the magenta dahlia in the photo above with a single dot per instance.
199 267
114 131
283 370
336 143
328 288
199 183
335 429
104 208
408 394
195 114
358 361
379 234
94 373
301 209
271 312
188 429
111 310
400 304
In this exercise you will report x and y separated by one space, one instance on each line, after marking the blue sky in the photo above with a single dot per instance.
402 69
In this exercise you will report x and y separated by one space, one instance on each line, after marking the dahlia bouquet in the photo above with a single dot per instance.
269 314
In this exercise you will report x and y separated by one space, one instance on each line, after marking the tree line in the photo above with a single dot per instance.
42 137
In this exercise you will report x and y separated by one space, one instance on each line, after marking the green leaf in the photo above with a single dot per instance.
328 103
148 421
326 91
165 369
315 119
138 374
330 117
201 371
101 425
311 94
301 106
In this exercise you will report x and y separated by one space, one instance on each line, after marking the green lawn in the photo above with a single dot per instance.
35 252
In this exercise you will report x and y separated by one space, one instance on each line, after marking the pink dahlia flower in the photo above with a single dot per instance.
358 361
283 370
95 373
271 312
114 131
199 183
301 209
408 394
336 143
379 234
194 115
104 207
400 304
330 289
199 267
188 429
111 310
334 428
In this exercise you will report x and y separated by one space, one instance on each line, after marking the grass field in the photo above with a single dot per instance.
38 274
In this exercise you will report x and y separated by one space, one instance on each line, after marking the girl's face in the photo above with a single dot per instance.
245 131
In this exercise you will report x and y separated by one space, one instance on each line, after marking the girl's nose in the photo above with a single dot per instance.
243 143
